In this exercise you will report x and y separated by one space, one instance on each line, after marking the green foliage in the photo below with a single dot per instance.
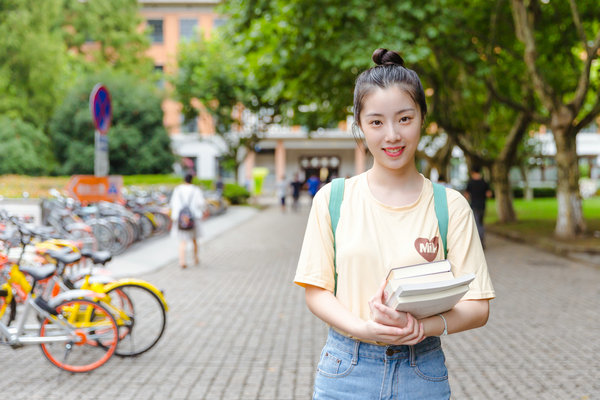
236 194
25 149
206 184
113 27
541 192
138 142
32 59
208 72
211 77
308 54
46 45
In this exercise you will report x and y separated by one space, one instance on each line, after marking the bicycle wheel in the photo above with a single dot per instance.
103 234
122 240
144 322
92 331
146 226
8 309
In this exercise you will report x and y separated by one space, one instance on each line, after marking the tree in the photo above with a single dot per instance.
308 54
211 79
32 59
106 33
138 141
466 72
25 148
312 52
561 48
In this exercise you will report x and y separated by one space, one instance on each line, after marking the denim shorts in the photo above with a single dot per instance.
351 369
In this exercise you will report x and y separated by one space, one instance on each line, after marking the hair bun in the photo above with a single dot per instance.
387 57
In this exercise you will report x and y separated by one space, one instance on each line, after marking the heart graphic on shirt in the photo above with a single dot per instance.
427 248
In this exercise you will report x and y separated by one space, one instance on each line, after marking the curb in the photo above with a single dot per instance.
587 255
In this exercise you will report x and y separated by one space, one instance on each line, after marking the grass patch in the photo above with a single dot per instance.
542 209
537 221
151 180
13 186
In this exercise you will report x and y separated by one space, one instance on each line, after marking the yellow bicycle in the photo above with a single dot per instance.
75 332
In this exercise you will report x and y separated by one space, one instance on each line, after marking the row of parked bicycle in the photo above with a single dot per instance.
112 226
55 293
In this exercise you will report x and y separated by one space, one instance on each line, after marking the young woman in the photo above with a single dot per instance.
374 351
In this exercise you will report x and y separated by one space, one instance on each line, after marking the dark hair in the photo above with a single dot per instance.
388 72
188 178
476 168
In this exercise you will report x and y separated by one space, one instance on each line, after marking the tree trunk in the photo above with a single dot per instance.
569 222
503 192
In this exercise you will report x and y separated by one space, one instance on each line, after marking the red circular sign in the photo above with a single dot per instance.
101 108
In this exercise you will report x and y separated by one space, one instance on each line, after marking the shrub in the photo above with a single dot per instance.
25 149
541 192
138 141
236 194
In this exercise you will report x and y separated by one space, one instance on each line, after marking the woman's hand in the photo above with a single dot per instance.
391 326
383 314
325 306
413 333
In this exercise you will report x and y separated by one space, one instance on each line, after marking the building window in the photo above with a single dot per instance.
217 22
189 125
187 29
159 71
156 30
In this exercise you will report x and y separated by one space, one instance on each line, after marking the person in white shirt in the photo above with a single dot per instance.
190 195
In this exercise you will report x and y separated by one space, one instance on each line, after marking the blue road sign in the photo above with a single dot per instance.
100 107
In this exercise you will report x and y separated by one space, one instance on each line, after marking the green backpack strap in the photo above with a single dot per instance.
335 203
441 212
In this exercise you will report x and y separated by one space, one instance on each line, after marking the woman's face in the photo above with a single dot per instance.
391 123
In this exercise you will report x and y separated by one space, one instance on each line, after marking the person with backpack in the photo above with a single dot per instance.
187 210
387 217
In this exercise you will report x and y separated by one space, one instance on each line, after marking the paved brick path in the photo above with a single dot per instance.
239 329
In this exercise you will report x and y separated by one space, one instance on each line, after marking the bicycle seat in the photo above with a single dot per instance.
39 272
64 256
98 257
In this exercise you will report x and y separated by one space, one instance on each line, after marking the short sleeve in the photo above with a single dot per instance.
465 252
315 265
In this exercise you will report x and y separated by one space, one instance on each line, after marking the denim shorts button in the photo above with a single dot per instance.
389 352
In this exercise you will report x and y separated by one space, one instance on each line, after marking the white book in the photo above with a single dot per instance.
409 271
425 305
415 289
427 272
425 289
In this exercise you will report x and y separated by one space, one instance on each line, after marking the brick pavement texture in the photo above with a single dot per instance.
239 329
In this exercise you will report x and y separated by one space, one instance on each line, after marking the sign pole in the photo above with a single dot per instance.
100 107
101 164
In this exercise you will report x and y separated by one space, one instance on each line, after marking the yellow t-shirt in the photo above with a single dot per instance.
372 238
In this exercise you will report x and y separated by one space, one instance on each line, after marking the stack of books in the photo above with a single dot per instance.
425 289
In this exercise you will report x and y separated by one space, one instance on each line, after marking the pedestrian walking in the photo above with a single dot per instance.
373 351
282 189
477 192
187 211
314 183
296 185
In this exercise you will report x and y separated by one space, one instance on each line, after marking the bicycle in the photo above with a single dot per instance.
138 307
75 332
